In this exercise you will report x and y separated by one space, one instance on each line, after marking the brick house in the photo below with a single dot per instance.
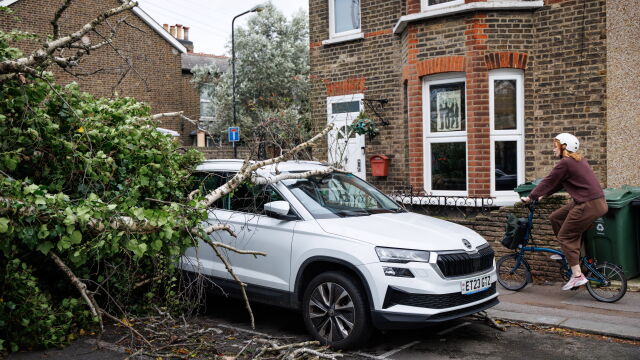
160 63
474 90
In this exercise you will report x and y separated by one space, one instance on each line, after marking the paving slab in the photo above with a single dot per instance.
577 310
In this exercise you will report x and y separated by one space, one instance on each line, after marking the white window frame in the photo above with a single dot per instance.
441 137
208 101
426 7
516 135
350 34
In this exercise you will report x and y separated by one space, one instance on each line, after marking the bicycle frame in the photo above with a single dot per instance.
587 262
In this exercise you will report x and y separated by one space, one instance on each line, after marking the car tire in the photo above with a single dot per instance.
335 310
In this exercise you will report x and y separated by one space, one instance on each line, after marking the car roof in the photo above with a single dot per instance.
234 165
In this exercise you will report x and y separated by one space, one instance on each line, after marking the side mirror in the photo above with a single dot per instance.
279 210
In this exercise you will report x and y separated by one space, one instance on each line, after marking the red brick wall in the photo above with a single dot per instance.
156 77
370 65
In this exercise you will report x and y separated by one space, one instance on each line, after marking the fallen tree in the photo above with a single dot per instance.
96 206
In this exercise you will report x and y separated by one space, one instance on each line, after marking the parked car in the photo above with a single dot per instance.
347 256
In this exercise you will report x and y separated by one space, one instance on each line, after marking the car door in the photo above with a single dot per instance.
244 213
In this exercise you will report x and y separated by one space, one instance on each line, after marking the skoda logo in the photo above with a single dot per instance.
466 243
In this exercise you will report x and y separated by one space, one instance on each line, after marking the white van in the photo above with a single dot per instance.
343 253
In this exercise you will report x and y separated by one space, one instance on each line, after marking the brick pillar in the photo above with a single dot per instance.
414 102
478 131
413 6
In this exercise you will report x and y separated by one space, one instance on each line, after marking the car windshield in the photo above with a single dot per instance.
340 195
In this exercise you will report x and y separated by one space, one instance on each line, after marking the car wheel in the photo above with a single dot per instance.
335 310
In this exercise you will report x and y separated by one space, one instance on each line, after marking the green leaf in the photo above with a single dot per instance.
76 237
139 213
45 247
43 232
4 225
64 243
156 245
30 189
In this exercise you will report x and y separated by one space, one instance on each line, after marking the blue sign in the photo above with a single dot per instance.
234 134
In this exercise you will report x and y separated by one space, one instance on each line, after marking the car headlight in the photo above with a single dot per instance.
401 255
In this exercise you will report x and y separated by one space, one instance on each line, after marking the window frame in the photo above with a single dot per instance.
442 137
426 7
332 23
206 100
507 135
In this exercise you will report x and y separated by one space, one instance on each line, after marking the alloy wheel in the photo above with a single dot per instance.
331 311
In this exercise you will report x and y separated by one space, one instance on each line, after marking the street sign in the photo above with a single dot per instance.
234 134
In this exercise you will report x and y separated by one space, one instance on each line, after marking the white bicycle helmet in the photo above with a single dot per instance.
571 142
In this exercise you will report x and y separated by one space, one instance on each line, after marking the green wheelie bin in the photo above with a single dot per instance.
613 237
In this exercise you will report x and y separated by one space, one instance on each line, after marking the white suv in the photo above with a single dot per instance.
343 253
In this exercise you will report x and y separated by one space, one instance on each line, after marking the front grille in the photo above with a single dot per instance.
462 263
433 301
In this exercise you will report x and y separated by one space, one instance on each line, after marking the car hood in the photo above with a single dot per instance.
403 230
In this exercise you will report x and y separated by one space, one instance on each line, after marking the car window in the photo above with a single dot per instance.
340 195
207 182
249 197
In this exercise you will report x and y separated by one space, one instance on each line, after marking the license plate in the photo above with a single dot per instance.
472 286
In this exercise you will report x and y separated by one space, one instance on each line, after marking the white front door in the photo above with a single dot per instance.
346 148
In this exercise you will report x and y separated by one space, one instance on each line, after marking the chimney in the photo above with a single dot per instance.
165 27
179 35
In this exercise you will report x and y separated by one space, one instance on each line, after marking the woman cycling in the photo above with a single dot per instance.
569 222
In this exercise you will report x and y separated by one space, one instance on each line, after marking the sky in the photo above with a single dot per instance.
209 21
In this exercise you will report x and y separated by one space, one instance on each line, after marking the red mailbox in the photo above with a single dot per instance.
379 165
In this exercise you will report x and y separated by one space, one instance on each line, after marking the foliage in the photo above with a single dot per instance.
272 77
30 317
364 125
71 165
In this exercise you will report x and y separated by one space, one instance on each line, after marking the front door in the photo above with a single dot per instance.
346 148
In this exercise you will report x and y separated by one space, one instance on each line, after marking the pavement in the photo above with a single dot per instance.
577 310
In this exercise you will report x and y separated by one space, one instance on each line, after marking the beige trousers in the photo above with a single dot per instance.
571 220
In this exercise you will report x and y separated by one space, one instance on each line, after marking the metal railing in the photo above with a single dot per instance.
441 205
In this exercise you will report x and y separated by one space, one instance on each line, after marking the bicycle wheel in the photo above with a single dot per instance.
512 277
607 283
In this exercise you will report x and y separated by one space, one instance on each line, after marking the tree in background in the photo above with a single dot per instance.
272 80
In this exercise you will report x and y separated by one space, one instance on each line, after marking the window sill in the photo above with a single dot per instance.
341 39
402 23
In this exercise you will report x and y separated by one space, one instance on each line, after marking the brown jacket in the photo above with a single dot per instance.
576 177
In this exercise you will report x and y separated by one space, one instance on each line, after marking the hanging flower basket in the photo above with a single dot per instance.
364 125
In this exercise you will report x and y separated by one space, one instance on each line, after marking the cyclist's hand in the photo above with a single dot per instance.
525 199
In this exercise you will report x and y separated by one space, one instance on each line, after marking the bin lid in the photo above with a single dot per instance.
618 198
529 185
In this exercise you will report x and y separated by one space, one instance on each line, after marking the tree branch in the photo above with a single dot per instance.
227 265
82 288
248 168
264 180
56 17
42 57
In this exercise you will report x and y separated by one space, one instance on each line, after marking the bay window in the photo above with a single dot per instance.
445 145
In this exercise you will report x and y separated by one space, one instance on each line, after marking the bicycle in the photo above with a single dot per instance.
607 282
